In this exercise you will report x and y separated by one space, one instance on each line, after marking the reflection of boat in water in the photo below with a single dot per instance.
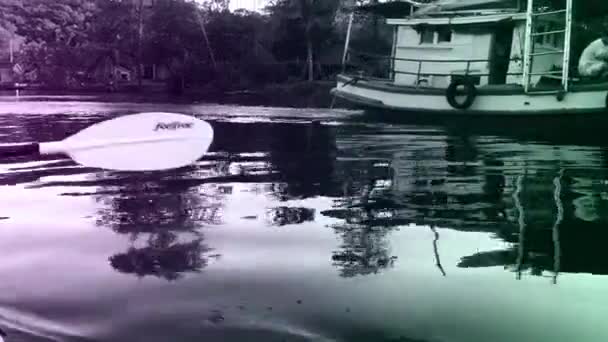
548 203
488 57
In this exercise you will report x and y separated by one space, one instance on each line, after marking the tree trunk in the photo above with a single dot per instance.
211 54
182 85
309 60
140 37
375 30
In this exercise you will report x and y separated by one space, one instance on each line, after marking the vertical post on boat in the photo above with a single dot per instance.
418 74
557 252
394 51
521 223
567 44
466 73
347 42
528 47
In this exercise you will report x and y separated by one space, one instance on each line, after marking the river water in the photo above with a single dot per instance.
307 225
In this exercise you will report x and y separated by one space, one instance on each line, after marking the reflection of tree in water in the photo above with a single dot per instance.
164 261
304 157
163 214
281 216
367 214
364 251
157 211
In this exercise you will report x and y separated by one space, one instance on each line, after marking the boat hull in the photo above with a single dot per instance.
505 100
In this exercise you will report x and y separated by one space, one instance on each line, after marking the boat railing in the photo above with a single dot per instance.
467 64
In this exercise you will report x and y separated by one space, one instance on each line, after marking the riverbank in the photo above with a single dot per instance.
299 94
296 95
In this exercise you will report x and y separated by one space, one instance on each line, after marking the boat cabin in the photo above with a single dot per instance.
481 40
477 57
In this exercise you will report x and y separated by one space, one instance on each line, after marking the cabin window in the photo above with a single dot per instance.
444 35
437 35
427 36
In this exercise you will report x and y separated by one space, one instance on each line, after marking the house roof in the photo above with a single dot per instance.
123 68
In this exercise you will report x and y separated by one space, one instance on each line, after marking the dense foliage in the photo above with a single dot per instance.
65 42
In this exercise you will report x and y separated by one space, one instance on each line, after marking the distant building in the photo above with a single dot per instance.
109 68
6 73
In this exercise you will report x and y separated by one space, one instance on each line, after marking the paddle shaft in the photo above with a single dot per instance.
53 147
18 150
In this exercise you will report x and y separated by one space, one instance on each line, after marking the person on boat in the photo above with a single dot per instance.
594 59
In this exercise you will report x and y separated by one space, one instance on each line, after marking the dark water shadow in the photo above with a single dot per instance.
583 129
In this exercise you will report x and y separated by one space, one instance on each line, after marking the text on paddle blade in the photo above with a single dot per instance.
172 126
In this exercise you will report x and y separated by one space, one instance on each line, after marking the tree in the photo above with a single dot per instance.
56 40
175 39
7 27
114 33
140 37
312 18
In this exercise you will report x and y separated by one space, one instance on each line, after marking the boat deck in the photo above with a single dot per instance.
493 89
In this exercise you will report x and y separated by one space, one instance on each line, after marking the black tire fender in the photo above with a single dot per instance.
470 91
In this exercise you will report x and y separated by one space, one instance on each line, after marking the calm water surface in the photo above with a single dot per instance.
348 229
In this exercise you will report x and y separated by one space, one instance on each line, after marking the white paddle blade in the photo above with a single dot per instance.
141 142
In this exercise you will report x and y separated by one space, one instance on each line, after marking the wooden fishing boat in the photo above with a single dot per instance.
482 57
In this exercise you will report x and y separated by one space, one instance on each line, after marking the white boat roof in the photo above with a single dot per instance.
416 12
460 5
399 9
457 20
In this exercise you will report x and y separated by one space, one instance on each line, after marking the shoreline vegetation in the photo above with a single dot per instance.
299 94
286 55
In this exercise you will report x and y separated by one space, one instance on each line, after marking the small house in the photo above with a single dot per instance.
6 73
